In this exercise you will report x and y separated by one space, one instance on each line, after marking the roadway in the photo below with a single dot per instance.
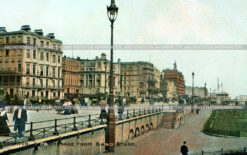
168 141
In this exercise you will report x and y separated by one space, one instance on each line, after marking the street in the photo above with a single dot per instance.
168 141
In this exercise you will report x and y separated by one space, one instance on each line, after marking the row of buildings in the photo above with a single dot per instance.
32 65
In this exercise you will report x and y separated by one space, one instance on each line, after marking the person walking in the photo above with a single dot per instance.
184 149
120 110
4 128
20 119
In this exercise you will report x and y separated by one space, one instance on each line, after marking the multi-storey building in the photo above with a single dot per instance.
34 69
138 79
172 75
95 76
157 81
72 77
198 91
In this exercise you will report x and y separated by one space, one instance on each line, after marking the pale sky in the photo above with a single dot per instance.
148 22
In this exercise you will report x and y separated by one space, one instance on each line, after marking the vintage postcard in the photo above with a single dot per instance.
123 77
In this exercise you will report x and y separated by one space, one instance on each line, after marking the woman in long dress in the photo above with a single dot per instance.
4 129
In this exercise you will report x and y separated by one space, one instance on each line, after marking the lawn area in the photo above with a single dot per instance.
227 123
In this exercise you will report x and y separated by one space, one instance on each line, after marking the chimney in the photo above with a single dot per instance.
51 35
25 28
2 30
39 32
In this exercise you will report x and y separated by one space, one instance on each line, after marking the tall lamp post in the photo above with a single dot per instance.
193 74
105 63
112 12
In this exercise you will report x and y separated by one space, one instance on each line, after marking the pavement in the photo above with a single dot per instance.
168 141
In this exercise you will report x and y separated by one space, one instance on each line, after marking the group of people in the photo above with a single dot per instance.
19 118
103 113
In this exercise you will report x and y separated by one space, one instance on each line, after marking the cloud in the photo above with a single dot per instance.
181 21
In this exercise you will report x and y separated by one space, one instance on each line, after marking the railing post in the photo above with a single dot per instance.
149 110
244 150
55 128
134 113
127 117
74 128
101 121
89 122
44 133
221 151
202 152
31 132
162 107
144 111
139 112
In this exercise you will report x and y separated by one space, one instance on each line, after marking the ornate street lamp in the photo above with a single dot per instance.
105 63
112 12
193 74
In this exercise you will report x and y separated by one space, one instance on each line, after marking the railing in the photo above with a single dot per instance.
239 151
42 129
47 128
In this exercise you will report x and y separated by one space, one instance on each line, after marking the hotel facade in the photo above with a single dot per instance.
33 70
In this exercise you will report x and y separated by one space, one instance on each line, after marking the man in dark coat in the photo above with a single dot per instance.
20 119
4 128
120 110
184 149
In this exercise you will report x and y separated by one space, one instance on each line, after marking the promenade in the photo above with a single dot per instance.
168 141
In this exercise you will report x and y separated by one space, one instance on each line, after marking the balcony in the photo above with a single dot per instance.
10 84
11 71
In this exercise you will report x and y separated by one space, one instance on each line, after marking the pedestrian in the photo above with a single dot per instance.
20 119
184 149
4 128
103 113
120 110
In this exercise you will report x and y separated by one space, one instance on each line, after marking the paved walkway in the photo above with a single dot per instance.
168 141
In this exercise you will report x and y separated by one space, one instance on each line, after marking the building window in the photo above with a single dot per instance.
28 82
18 79
42 44
53 72
19 67
59 72
7 40
28 68
28 40
41 83
34 54
46 83
28 53
34 41
7 53
53 83
58 59
47 56
33 93
41 55
33 81
34 69
47 70
53 58
41 70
